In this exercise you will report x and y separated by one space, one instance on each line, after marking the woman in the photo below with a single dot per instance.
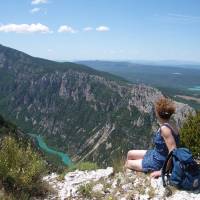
165 140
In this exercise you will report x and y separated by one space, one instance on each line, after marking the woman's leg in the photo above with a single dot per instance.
134 159
134 164
136 154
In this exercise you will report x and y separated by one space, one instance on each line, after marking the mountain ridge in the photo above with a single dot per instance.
16 54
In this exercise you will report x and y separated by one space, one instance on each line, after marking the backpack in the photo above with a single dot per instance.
184 172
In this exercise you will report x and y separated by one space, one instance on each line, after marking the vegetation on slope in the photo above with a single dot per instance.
190 134
21 167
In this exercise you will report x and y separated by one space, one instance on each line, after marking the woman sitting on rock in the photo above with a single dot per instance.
165 140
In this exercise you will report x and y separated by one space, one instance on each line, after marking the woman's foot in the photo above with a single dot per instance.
155 174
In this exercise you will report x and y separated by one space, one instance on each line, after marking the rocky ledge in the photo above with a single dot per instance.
105 184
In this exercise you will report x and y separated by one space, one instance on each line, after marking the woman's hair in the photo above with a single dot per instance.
165 108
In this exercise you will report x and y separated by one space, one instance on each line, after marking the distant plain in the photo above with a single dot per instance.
180 82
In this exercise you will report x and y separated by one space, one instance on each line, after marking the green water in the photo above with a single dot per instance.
64 157
195 88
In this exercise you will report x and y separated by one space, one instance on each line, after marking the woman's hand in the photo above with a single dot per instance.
155 174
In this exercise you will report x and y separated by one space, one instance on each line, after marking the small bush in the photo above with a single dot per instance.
86 190
82 166
118 164
190 134
20 167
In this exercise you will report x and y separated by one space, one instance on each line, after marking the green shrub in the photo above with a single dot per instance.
20 167
118 164
86 190
83 166
190 134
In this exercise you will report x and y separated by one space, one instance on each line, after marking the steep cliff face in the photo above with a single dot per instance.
89 114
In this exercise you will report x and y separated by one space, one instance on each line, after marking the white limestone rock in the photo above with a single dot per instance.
121 186
73 180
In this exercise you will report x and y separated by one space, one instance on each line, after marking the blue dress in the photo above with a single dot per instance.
154 159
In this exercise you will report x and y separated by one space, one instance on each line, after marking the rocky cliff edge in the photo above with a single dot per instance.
105 184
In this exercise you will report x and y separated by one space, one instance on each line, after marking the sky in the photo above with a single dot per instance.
102 29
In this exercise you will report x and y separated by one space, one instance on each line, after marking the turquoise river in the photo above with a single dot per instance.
43 146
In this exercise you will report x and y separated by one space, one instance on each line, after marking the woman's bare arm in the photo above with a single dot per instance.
168 137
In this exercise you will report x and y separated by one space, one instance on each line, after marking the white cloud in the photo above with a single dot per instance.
102 28
88 28
35 2
34 10
66 29
25 28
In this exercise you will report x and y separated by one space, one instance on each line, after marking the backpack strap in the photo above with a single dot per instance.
164 168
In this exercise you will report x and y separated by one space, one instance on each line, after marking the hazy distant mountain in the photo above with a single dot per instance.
89 114
169 63
175 77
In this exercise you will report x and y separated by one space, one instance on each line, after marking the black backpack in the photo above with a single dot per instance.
184 172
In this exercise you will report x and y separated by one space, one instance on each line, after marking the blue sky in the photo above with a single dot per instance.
103 29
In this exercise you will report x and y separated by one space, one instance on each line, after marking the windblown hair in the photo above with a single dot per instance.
165 108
